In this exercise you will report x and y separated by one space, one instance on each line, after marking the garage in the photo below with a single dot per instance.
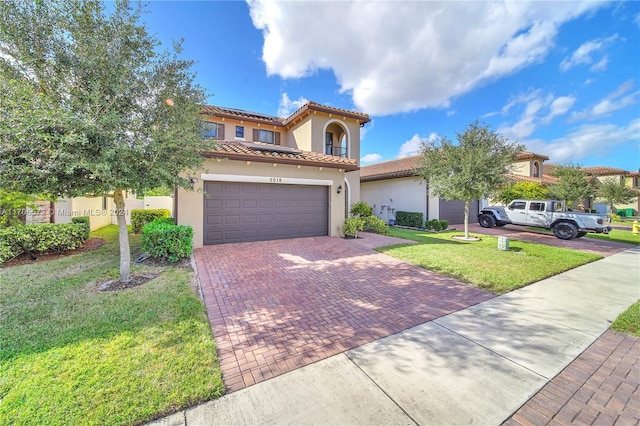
243 212
453 211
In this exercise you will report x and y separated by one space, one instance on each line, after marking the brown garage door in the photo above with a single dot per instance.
241 212
453 211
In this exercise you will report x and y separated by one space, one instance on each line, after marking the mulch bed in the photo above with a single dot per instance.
24 259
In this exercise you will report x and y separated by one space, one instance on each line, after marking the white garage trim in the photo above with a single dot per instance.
264 179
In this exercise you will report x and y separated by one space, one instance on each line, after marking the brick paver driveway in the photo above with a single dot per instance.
278 305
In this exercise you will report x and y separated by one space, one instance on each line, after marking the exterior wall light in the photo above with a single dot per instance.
339 189
192 182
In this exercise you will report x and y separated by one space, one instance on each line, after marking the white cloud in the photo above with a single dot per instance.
287 106
366 129
414 145
533 109
584 55
589 140
618 99
402 56
371 158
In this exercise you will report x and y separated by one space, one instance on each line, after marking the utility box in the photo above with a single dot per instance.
503 243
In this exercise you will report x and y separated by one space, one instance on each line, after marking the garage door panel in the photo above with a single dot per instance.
235 212
453 211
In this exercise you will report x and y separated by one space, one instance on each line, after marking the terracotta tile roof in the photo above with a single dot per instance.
605 171
241 115
314 106
257 117
546 179
526 155
403 167
267 153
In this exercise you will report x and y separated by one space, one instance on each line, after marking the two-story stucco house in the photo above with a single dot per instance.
273 177
394 185
603 173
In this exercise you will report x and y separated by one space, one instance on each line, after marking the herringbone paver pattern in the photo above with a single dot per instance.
600 387
278 305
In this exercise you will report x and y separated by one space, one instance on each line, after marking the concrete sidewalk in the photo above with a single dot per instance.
474 366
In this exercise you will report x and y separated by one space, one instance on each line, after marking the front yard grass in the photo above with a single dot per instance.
629 321
481 263
70 354
618 235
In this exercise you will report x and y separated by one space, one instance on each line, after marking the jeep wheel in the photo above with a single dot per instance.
565 231
486 220
581 234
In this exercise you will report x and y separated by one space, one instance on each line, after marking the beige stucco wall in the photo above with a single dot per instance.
299 136
405 194
190 203
99 216
526 168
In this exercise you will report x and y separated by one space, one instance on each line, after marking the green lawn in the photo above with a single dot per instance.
481 263
629 321
618 235
72 355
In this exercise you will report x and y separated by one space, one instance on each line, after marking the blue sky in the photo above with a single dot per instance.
562 78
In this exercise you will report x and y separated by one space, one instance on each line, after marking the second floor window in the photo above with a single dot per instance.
266 136
240 132
213 130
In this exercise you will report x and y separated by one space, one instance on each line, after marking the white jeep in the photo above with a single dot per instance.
547 214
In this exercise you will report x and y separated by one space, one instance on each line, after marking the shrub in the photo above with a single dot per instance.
166 240
444 224
361 209
352 225
140 217
375 224
436 225
411 219
83 220
16 240
164 220
614 217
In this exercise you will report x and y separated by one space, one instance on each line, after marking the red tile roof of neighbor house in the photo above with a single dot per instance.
596 170
403 167
257 117
406 167
546 179
268 153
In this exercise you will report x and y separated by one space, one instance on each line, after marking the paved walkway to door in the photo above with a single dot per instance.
275 306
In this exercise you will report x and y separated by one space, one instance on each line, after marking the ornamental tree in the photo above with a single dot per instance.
573 185
615 191
91 107
470 170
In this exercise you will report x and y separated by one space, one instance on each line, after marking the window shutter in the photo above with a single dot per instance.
256 135
276 138
221 132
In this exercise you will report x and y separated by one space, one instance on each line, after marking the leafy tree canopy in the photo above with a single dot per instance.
615 191
91 106
573 185
522 190
472 169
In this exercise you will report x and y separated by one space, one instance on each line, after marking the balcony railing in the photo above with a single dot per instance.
337 151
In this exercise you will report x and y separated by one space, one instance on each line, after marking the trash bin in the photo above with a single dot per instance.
628 212
503 243
622 212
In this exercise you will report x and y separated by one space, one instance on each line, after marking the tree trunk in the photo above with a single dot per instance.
466 219
123 237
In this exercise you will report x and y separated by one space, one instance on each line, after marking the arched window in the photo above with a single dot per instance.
536 169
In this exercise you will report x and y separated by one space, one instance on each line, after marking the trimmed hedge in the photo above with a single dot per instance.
411 219
436 225
166 240
15 240
83 220
361 209
375 224
140 217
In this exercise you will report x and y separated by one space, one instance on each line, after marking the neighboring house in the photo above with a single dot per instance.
272 177
101 210
602 173
394 186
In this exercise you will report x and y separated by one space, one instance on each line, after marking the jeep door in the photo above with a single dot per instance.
517 212
536 213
